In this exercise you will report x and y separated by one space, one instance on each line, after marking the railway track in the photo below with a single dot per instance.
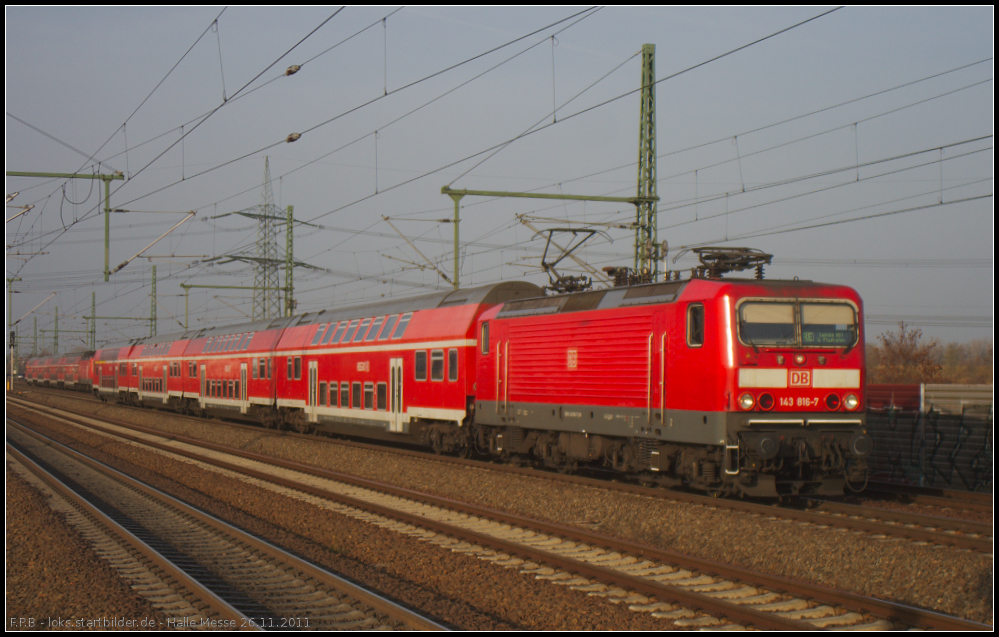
940 498
669 585
880 522
247 583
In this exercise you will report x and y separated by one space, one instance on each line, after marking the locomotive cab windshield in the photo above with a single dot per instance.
801 323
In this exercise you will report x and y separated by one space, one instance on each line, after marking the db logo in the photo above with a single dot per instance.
573 359
800 378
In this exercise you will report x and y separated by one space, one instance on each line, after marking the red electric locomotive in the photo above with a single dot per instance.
730 386
726 385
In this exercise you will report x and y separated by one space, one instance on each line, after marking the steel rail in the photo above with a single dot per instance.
902 517
127 538
381 604
948 498
869 525
852 601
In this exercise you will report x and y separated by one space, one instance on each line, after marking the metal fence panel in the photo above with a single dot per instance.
948 444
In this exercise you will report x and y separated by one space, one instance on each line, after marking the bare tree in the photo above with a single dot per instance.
903 358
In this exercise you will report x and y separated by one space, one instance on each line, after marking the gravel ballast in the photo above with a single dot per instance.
457 589
943 579
55 581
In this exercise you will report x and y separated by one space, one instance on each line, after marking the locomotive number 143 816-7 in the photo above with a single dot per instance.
799 402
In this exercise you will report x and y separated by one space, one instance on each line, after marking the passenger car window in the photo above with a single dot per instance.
400 329
374 328
437 364
361 331
387 330
421 365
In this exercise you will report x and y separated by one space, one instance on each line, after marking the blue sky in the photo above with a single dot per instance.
752 148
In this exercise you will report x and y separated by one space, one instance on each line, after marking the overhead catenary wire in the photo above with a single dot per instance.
213 111
463 245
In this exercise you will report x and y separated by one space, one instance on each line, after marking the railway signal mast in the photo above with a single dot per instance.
107 203
648 253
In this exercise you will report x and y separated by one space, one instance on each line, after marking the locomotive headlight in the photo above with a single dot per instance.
746 401
799 359
851 402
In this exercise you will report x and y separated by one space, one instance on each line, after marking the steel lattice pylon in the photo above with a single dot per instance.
266 296
647 225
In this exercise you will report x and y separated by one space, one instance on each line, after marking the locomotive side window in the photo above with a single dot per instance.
421 365
345 394
828 325
262 371
333 394
255 369
291 370
269 368
322 394
695 325
356 397
298 368
485 338
437 364
452 364
767 323
400 329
